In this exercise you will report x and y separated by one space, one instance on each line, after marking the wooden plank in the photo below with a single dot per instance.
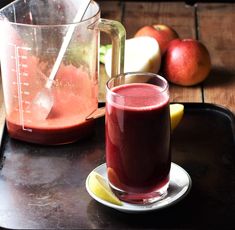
177 15
217 32
110 10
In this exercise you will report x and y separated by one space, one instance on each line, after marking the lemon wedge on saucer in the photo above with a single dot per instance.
176 113
99 186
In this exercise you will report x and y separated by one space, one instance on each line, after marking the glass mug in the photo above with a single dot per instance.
137 121
33 33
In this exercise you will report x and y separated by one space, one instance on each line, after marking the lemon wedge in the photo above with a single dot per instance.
101 189
176 113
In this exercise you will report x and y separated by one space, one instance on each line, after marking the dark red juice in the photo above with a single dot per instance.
138 138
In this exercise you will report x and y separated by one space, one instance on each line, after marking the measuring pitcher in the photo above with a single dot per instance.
33 32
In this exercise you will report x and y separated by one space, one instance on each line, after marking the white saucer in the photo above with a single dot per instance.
180 184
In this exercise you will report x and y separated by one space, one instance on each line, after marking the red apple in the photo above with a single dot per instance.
162 33
186 62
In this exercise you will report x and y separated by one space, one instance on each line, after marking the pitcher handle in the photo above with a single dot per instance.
117 33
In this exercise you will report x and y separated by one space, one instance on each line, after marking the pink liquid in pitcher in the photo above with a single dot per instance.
75 97
138 138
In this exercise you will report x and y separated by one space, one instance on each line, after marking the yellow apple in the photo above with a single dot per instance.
141 54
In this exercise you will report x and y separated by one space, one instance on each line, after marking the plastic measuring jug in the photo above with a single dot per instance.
32 34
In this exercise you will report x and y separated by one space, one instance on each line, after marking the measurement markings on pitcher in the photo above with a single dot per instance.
22 93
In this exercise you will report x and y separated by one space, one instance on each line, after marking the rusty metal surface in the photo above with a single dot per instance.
44 187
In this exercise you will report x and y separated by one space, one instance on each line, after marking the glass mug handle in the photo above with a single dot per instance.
117 33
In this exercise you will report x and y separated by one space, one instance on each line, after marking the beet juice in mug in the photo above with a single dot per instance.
138 153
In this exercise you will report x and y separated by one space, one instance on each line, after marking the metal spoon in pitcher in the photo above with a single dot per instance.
43 102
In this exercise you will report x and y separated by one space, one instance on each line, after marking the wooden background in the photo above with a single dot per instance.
211 23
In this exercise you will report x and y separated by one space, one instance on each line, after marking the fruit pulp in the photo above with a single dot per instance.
75 97
138 138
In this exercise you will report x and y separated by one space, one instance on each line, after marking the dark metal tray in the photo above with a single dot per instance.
44 187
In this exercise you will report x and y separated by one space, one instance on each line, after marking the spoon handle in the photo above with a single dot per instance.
79 16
